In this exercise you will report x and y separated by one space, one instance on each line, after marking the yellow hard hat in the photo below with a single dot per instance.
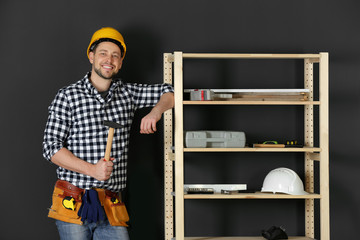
107 34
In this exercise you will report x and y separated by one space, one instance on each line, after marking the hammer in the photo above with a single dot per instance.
112 126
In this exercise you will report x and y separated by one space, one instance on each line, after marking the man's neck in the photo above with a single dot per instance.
99 83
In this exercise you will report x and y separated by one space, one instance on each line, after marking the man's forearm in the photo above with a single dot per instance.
66 159
101 170
166 102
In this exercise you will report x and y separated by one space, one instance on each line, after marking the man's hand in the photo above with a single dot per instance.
148 123
103 169
66 159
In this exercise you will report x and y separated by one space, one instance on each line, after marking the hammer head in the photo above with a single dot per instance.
112 124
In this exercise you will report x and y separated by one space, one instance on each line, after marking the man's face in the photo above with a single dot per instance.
106 60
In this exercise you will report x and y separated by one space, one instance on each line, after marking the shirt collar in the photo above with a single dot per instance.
115 83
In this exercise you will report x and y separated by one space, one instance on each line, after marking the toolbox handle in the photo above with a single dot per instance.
215 140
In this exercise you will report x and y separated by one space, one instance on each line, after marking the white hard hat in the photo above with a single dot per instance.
283 180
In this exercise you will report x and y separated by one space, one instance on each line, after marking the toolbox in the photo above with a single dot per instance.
201 95
215 139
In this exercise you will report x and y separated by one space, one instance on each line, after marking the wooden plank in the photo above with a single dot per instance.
251 196
179 147
248 149
243 238
168 158
309 141
255 91
250 56
251 102
263 98
324 144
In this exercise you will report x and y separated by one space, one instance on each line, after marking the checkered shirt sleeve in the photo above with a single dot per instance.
75 122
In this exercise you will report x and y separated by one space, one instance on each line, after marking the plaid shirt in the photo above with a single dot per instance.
76 122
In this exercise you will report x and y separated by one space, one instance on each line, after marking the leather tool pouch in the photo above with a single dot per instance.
114 208
66 201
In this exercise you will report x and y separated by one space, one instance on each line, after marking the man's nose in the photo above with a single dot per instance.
112 59
109 59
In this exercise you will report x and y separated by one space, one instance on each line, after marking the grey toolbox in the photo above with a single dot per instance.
215 139
201 95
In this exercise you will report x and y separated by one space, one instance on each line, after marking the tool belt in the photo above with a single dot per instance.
66 202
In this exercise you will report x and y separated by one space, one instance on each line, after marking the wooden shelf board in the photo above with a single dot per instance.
249 149
242 238
251 56
251 102
257 195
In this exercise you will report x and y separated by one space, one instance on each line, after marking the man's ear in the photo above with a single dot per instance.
121 62
91 57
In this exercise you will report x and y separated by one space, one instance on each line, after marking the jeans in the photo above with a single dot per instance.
88 231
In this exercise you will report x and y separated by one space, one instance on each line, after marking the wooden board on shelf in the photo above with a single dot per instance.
243 238
315 57
239 97
263 95
249 149
257 195
248 102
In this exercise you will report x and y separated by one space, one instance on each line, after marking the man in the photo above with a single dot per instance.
86 202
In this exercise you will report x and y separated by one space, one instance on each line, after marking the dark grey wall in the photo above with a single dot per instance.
43 47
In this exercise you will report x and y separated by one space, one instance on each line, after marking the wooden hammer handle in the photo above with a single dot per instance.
109 144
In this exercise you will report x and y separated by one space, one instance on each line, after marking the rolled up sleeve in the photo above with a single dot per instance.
146 95
57 126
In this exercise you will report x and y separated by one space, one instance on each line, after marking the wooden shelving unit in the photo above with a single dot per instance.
174 162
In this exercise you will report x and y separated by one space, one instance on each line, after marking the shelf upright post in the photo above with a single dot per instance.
168 161
309 141
179 147
324 145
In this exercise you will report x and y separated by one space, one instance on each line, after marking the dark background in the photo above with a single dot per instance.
43 48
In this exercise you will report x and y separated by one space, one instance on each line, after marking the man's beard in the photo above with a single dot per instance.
98 71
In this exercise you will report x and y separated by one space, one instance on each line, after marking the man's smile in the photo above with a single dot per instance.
107 67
